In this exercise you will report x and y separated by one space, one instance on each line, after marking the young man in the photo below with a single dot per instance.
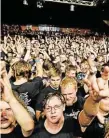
54 86
70 71
14 118
74 103
23 85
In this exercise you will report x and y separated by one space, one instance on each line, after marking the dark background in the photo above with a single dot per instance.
14 12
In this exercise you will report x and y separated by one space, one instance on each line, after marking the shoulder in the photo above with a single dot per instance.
70 121
37 79
16 133
72 125
80 99
39 129
47 90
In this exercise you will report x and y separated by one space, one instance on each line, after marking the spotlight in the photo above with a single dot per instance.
25 2
71 7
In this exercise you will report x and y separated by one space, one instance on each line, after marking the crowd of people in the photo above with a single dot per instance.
53 84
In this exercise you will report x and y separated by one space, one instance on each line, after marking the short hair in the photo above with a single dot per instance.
54 72
69 68
22 69
50 95
67 80
84 62
104 65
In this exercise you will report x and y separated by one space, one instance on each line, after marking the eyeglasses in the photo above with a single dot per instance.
56 107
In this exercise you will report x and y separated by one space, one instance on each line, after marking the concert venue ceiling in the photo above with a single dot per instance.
75 13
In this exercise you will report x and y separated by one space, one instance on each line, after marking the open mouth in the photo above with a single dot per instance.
53 117
3 120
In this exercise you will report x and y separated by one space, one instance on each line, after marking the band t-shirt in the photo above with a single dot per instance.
81 91
75 108
16 133
70 129
29 89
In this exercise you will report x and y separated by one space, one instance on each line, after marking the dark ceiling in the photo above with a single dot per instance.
14 12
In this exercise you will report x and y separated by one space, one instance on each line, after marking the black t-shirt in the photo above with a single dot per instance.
3 55
44 79
98 74
16 133
32 89
70 129
81 91
41 96
95 129
75 108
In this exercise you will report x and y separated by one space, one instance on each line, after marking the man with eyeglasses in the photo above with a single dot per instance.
74 103
56 125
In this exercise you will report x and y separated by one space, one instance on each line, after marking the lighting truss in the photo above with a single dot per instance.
75 2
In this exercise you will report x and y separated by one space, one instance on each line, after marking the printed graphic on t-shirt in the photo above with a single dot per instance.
74 114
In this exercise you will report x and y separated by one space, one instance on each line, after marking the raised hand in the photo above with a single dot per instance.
39 68
2 67
6 92
97 89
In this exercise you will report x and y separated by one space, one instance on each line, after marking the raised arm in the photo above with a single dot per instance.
20 113
27 55
92 103
39 68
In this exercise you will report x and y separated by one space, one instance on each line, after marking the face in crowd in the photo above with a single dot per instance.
7 119
105 72
84 67
63 66
92 56
55 81
54 109
71 71
69 90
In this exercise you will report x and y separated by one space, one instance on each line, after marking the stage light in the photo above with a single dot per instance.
25 2
72 7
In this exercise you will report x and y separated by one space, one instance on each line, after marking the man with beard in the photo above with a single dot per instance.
74 103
